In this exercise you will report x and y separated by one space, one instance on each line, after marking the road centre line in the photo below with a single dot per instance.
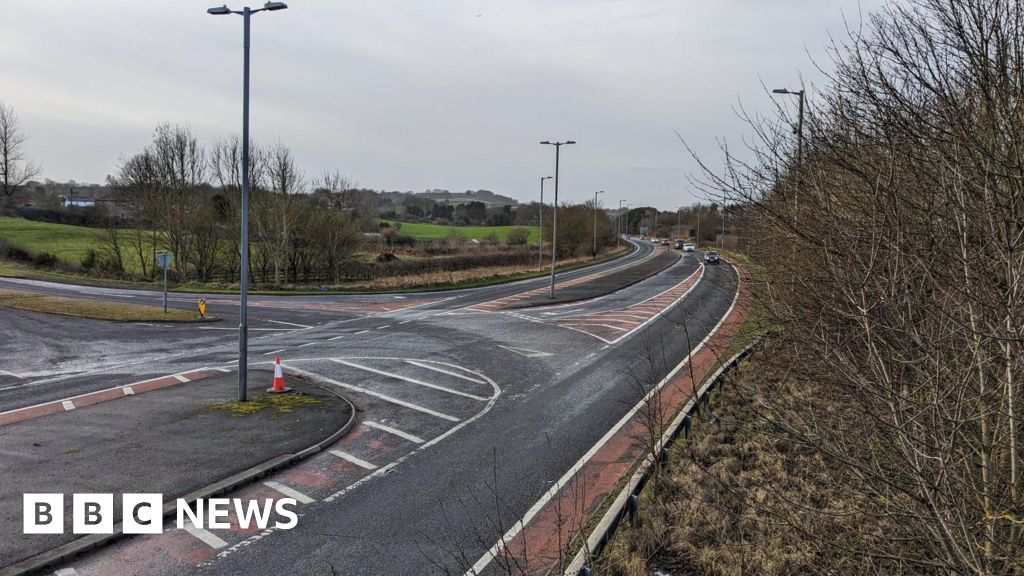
337 337
384 326
378 395
360 332
443 371
209 538
394 431
353 459
306 344
274 352
289 492
408 379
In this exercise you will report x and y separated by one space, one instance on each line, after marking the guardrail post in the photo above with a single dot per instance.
687 426
632 507
585 571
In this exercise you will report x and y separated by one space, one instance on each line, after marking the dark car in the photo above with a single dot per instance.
711 257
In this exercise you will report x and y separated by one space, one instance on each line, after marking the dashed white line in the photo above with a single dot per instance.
128 391
361 332
443 371
384 326
211 539
405 321
289 492
337 337
383 397
306 344
181 378
408 379
68 405
354 459
271 353
394 431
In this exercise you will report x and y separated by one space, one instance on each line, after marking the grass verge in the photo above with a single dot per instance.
95 309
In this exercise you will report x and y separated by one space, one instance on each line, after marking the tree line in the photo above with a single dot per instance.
893 273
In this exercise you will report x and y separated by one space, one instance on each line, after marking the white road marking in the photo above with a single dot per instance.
306 344
250 329
68 405
274 352
557 487
384 326
211 539
66 572
180 378
361 332
353 459
337 337
526 352
128 391
408 379
394 431
595 324
289 323
405 321
11 374
383 397
225 370
289 492
443 371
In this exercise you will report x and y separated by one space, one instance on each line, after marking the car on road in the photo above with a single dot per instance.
688 247
711 258
664 242
680 244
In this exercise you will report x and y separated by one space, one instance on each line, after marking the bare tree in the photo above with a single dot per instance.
15 170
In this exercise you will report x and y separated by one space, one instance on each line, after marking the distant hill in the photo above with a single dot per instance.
486 196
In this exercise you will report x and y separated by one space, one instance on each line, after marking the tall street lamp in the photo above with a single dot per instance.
618 226
540 250
243 326
800 141
595 221
554 213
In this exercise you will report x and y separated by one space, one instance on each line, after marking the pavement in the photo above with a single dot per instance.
170 440
469 413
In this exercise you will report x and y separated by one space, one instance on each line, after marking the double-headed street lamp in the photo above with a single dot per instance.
554 213
800 141
595 220
243 327
540 249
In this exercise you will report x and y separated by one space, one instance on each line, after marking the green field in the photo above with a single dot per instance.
437 231
69 243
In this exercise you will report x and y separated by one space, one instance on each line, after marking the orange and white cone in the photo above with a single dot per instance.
278 378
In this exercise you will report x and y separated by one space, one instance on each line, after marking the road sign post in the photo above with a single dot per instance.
164 258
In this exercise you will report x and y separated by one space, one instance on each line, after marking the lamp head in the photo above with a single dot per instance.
219 10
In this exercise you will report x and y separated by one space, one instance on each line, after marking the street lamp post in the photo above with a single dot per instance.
243 326
554 213
595 221
618 226
540 249
799 139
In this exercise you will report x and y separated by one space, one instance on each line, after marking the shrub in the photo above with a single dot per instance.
518 237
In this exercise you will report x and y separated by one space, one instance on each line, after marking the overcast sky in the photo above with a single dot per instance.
418 94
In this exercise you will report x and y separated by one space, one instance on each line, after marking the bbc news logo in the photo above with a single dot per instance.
143 513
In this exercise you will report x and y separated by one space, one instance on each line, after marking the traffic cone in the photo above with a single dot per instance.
278 378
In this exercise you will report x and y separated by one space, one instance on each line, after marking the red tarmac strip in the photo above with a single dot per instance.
100 396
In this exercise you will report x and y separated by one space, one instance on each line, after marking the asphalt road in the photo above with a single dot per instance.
468 415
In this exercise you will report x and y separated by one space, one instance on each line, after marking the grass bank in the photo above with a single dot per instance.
95 309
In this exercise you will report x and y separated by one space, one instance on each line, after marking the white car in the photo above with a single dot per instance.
687 247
